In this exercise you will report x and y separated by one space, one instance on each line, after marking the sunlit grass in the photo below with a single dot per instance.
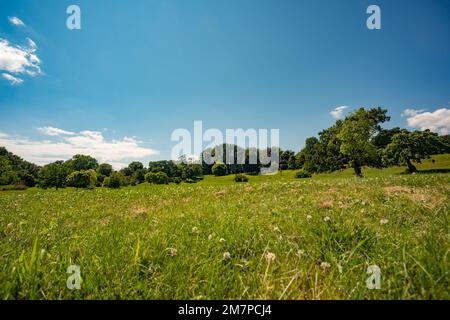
281 233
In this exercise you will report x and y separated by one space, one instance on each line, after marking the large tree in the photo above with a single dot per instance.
407 147
54 175
356 135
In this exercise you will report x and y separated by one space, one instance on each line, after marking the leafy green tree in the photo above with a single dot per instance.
356 135
191 171
219 169
105 169
82 162
384 137
82 179
54 175
407 147
114 181
15 170
168 167
157 178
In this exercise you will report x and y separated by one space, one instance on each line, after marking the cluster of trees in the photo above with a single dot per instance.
356 141
15 171
83 171
359 140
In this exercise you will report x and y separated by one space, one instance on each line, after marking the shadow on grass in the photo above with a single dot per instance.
428 171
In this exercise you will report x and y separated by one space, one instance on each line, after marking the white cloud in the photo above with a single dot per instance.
13 80
66 144
412 112
51 131
16 21
437 121
19 60
337 113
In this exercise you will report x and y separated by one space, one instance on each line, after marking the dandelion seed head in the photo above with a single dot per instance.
270 256
325 266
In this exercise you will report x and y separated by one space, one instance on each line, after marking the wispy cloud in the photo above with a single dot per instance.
19 60
52 131
338 112
13 80
437 121
16 21
64 144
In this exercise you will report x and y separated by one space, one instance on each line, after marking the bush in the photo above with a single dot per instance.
157 178
82 179
219 169
240 178
177 180
114 181
302 174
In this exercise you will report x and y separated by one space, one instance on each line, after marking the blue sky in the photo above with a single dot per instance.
137 70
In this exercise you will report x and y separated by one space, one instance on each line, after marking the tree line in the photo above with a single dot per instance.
356 141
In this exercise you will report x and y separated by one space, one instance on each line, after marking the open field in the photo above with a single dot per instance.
152 242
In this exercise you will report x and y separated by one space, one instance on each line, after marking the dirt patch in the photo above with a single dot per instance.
220 193
397 190
325 203
428 198
139 211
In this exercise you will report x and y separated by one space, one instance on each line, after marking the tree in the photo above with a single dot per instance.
15 170
114 181
190 171
82 162
54 175
105 169
168 167
219 169
157 178
355 136
412 146
82 179
384 137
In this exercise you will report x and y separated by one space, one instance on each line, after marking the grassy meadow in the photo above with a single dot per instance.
275 237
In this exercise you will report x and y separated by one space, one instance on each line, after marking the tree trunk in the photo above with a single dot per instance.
357 168
411 167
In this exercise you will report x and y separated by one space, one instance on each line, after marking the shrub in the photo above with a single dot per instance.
82 179
302 174
157 178
219 169
240 178
114 181
177 180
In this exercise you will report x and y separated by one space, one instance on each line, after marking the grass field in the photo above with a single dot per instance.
287 238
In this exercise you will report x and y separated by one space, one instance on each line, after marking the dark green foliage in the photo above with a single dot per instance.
54 175
412 146
168 167
82 179
82 162
114 181
219 169
384 137
240 178
177 180
302 174
14 170
105 169
190 171
157 178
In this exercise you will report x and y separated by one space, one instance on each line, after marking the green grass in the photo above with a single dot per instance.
123 239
